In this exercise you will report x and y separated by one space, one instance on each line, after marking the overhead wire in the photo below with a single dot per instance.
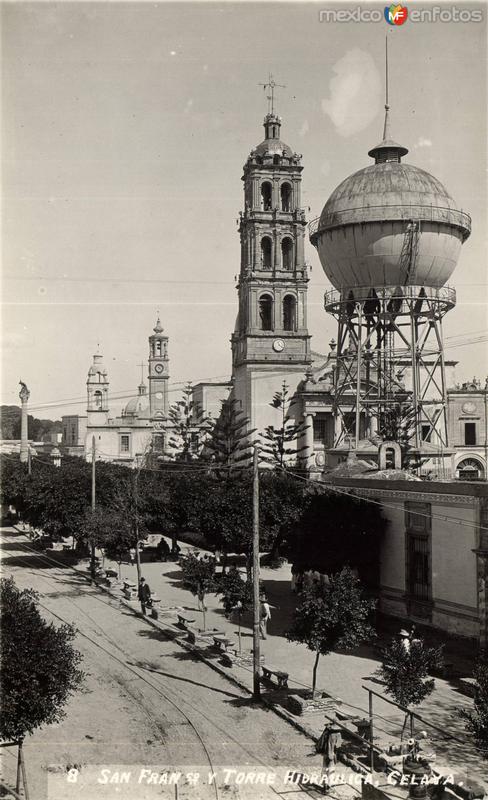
353 492
124 394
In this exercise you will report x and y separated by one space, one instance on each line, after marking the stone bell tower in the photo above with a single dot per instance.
270 343
158 372
97 385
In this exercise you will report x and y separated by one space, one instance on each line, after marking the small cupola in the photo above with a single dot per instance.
272 126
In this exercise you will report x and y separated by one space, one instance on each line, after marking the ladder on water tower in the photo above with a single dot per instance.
409 254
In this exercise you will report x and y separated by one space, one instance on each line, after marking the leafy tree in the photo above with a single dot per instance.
38 668
199 578
283 502
228 442
405 669
189 426
155 499
233 590
332 617
336 530
477 718
56 497
279 446
237 595
108 529
13 483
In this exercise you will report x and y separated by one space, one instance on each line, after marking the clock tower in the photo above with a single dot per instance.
158 372
270 342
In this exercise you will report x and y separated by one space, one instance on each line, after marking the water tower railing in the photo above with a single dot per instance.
391 212
442 298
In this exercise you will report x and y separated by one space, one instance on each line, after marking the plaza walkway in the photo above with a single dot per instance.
341 675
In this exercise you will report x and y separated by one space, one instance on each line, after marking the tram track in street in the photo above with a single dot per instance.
171 695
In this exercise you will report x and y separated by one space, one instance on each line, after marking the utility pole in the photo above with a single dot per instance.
93 504
255 577
29 462
136 523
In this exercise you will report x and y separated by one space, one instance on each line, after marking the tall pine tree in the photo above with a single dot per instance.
279 446
190 427
229 443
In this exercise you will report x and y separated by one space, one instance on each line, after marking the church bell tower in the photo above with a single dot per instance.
271 335
158 372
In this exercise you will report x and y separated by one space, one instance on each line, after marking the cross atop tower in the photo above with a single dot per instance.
271 85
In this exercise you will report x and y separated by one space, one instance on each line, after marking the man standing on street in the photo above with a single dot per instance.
144 595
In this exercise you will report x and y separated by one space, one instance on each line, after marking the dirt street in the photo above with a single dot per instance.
148 710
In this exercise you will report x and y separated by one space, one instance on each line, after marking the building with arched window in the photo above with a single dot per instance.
270 343
266 252
287 253
289 313
266 312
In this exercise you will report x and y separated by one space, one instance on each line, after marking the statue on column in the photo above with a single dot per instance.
24 393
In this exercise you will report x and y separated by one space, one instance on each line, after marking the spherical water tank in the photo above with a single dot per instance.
389 224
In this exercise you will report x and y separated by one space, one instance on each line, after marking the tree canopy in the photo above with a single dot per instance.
477 717
335 530
332 616
405 670
38 668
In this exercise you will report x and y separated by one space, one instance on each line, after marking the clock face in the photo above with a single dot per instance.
278 345
159 368
158 395
469 408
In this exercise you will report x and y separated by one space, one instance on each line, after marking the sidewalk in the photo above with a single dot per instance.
341 675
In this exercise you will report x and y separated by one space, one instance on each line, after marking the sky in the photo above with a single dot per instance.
124 131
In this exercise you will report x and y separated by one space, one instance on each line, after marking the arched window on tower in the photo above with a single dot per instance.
266 252
158 347
285 193
266 196
287 253
276 160
266 312
289 313
98 397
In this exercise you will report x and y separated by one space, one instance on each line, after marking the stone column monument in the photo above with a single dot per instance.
24 395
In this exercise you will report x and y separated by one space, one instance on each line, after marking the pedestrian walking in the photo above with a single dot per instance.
264 616
327 745
144 595
132 555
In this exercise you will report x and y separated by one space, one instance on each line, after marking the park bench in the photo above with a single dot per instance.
222 643
155 606
227 659
183 620
467 686
281 677
130 590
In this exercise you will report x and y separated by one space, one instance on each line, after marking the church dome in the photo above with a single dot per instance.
273 147
136 406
